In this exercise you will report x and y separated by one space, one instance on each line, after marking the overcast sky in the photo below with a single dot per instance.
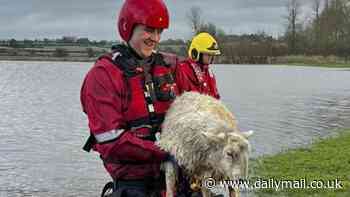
95 19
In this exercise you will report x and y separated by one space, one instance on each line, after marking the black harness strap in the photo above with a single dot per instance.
129 64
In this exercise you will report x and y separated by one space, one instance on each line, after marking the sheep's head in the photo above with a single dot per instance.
230 153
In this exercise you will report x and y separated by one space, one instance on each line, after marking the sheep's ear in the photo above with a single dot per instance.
214 136
247 134
221 135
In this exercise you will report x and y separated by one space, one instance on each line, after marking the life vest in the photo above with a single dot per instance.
151 90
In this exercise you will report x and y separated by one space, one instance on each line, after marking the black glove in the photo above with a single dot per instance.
170 157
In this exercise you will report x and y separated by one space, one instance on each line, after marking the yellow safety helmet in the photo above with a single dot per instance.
203 43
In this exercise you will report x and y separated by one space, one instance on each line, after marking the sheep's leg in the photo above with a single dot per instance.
206 192
233 192
170 178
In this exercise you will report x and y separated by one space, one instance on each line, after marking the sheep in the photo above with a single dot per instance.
202 135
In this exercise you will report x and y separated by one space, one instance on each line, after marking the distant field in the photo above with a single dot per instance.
80 53
57 53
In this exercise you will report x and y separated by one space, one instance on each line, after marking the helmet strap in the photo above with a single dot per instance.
194 54
212 59
200 59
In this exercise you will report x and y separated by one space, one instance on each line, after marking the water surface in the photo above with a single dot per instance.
42 128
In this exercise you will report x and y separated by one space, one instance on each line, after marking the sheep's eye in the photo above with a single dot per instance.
232 155
229 154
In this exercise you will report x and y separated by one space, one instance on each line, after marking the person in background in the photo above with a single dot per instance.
193 74
125 96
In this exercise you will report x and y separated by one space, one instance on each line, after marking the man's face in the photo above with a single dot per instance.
144 40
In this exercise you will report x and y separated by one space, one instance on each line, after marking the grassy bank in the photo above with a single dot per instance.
324 160
319 61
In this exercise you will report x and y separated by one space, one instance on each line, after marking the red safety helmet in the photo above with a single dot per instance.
152 13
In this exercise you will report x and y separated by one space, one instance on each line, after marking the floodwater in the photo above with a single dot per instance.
42 127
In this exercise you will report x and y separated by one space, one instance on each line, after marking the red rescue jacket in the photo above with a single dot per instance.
192 76
125 100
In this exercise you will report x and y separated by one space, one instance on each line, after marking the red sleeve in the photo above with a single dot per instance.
179 78
103 98
185 78
102 101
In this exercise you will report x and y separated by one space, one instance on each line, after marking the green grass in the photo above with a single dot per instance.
327 159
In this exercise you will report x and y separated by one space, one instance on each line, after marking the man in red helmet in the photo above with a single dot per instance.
125 96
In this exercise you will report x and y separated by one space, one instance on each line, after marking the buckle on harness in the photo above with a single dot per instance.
90 142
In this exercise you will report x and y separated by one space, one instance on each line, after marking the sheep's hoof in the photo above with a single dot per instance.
196 185
234 193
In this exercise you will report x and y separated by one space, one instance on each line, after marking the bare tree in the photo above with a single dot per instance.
195 19
326 2
209 28
317 23
317 9
293 8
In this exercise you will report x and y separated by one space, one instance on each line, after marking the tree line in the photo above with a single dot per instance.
327 32
324 31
